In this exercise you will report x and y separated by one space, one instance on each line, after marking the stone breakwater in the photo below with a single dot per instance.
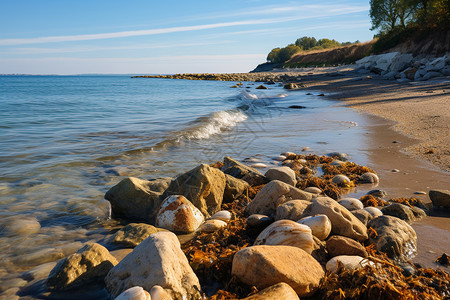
256 77
229 231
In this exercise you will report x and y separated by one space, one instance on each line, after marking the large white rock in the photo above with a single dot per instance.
178 214
158 260
320 225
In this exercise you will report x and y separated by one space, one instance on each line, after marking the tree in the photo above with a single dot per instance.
272 56
287 52
306 42
388 14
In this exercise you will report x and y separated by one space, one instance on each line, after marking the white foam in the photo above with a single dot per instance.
216 123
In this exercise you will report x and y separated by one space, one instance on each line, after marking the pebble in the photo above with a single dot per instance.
259 165
223 215
420 193
279 157
258 220
340 180
313 190
395 170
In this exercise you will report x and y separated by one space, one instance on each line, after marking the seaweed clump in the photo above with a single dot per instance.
349 169
409 202
382 279
369 200
330 189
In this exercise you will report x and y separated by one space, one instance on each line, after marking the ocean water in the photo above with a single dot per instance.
65 140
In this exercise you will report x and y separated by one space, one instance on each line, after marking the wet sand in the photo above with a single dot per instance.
409 119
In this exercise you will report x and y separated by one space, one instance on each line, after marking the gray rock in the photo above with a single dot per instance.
284 174
430 75
258 221
377 193
440 198
159 184
133 234
363 215
292 210
234 188
395 237
400 211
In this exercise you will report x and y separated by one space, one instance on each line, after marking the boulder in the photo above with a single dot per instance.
212 225
291 210
178 214
288 233
431 74
134 293
373 211
203 186
440 198
132 198
343 222
241 171
395 237
351 203
400 211
133 234
363 215
274 194
320 225
158 293
349 263
284 174
158 260
341 180
369 177
278 291
160 184
264 266
89 264
436 65
258 221
341 245
234 188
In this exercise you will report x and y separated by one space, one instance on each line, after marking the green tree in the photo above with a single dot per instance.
306 42
272 56
388 14
287 52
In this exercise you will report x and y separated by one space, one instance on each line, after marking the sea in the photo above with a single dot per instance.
65 140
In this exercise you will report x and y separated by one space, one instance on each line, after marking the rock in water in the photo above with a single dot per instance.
369 177
440 198
133 199
133 234
400 211
178 214
89 264
395 237
343 222
278 291
272 195
264 266
288 233
134 293
284 174
156 261
203 186
261 87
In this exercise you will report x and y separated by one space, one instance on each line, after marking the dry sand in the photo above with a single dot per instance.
420 109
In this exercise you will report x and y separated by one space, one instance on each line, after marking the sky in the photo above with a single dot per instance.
164 37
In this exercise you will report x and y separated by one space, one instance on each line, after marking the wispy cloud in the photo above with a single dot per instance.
122 34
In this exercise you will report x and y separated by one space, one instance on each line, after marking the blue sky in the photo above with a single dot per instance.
143 37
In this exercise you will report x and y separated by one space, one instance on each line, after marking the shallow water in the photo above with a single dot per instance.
65 140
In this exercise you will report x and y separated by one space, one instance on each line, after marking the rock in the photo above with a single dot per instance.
274 194
278 291
349 262
159 184
339 155
158 260
377 193
257 221
291 210
259 165
297 106
264 266
400 62
284 174
363 215
291 86
212 225
261 87
204 186
20 225
132 198
89 264
436 65
343 222
375 212
440 198
418 212
313 190
288 233
369 177
120 254
279 158
340 180
158 293
431 74
398 210
341 245
223 215
395 237
133 234
410 72
179 215
294 165
320 225
351 203
241 171
134 293
234 188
